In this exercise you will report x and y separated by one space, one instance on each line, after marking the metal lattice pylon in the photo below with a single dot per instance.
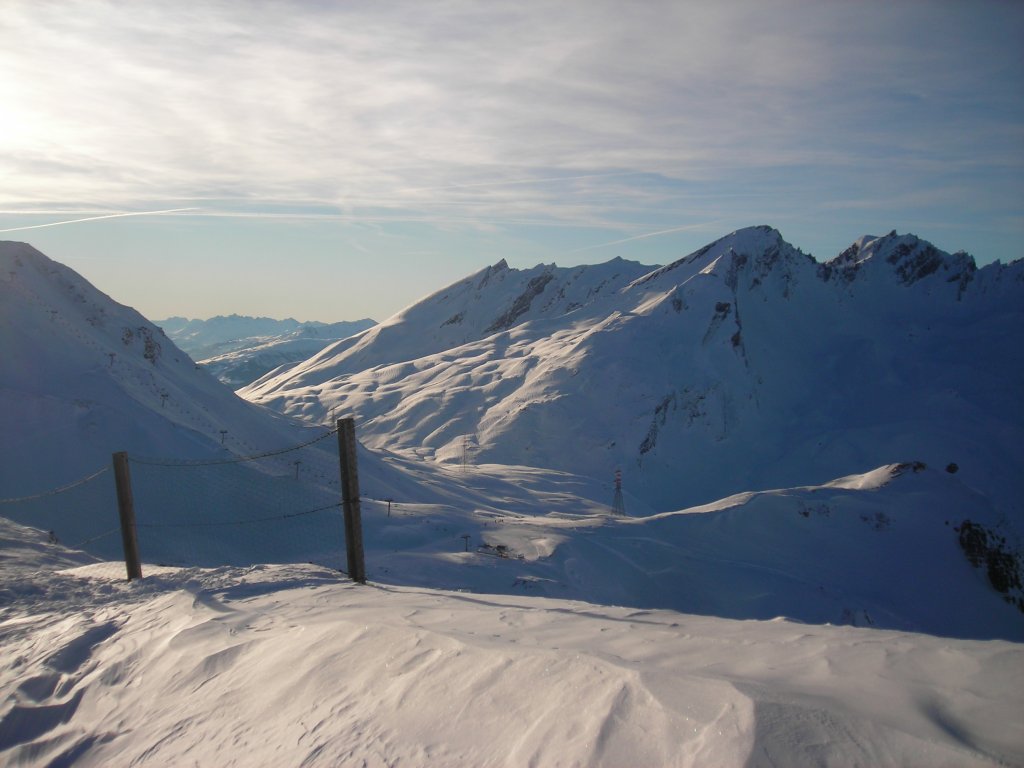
618 505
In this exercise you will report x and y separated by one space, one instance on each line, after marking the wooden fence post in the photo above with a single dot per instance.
350 499
126 510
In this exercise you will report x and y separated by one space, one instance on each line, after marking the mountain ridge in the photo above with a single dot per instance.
743 354
85 376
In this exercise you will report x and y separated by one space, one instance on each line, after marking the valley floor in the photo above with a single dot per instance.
295 666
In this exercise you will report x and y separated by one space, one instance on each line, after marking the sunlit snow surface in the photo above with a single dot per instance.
290 665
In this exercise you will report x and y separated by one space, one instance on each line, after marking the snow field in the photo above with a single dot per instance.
284 665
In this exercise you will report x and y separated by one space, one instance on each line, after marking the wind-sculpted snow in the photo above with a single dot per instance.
285 665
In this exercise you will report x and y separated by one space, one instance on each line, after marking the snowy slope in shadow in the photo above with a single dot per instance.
876 550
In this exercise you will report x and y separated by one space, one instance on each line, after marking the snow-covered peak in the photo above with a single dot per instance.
750 240
27 270
901 260
81 326
485 275
759 248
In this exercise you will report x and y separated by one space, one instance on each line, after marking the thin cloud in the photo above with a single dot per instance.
502 108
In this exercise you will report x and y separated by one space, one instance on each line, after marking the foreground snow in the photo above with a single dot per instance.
289 665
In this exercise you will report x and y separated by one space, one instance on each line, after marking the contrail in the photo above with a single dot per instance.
643 236
97 218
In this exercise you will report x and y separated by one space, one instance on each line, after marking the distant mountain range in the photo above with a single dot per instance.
239 349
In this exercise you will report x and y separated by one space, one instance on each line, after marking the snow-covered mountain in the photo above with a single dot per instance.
82 377
744 365
491 301
238 350
88 377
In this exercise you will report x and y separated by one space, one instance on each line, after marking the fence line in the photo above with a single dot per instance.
233 460
183 503
90 540
286 516
55 491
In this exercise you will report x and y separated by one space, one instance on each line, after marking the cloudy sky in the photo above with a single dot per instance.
335 160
